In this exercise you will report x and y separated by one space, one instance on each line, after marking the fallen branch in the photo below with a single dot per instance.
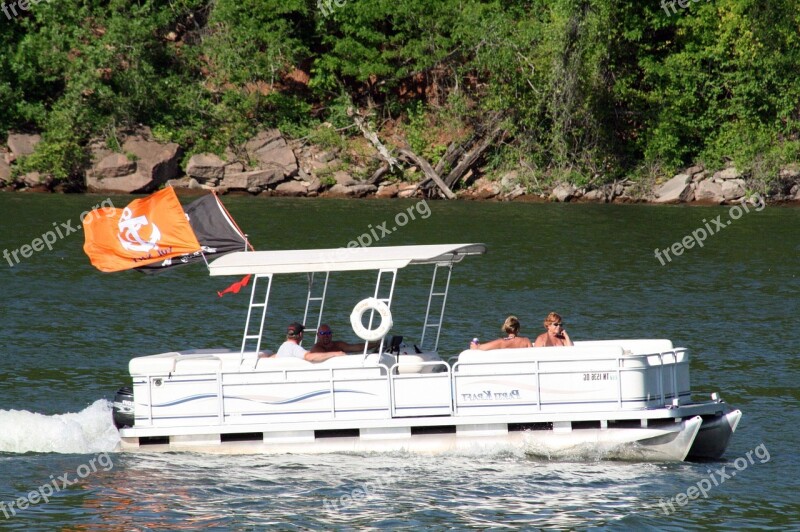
373 138
472 157
426 168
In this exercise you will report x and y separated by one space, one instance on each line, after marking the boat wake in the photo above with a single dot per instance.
88 431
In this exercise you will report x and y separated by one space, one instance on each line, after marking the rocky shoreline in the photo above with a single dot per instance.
269 165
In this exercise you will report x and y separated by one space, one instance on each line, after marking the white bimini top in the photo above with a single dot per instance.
340 259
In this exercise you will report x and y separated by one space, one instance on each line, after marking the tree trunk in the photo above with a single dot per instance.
426 168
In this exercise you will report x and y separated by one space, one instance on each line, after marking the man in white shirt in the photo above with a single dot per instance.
292 348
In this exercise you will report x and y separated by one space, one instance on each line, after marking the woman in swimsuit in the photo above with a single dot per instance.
511 329
556 335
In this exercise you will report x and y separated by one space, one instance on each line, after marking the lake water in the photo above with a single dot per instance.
67 332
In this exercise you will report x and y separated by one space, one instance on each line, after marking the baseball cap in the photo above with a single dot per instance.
294 329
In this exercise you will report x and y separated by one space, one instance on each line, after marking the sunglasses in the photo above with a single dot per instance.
557 324
325 333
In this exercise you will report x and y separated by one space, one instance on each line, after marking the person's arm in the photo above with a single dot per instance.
321 357
567 340
488 346
354 348
526 342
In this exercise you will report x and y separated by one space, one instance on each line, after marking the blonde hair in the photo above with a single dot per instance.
511 325
551 318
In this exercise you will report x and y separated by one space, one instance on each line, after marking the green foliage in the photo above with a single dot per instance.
591 89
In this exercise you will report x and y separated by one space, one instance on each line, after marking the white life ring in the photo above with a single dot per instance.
370 335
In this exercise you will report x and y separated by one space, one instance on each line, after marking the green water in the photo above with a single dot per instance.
67 332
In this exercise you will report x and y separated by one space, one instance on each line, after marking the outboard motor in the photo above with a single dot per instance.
123 407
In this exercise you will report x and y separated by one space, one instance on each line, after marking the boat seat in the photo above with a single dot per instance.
270 363
161 364
636 347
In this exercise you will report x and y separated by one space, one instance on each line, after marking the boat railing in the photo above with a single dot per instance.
404 388
664 378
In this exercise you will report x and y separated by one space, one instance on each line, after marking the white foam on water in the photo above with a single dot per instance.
89 431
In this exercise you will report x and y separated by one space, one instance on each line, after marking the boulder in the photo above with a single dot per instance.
36 180
514 193
674 190
406 190
595 195
733 189
485 189
344 179
388 191
234 168
205 166
563 192
113 165
5 172
694 170
291 188
20 144
271 151
156 163
708 191
250 180
311 183
270 137
354 191
155 160
727 173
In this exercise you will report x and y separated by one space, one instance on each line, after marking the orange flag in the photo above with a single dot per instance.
148 230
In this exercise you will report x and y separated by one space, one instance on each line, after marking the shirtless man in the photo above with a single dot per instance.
326 343
556 335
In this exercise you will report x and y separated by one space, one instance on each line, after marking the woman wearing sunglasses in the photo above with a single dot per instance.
556 335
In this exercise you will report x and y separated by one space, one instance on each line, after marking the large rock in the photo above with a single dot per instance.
354 191
20 144
709 192
205 166
251 180
733 189
388 191
675 190
113 165
595 195
291 188
406 190
270 149
344 179
5 172
563 192
728 173
264 139
157 161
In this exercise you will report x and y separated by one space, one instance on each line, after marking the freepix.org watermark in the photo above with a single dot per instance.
56 484
715 478
10 8
326 6
712 227
60 231
364 491
401 219
683 4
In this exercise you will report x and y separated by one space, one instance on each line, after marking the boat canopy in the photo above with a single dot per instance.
340 259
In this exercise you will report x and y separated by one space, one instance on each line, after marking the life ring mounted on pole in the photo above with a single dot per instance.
371 303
